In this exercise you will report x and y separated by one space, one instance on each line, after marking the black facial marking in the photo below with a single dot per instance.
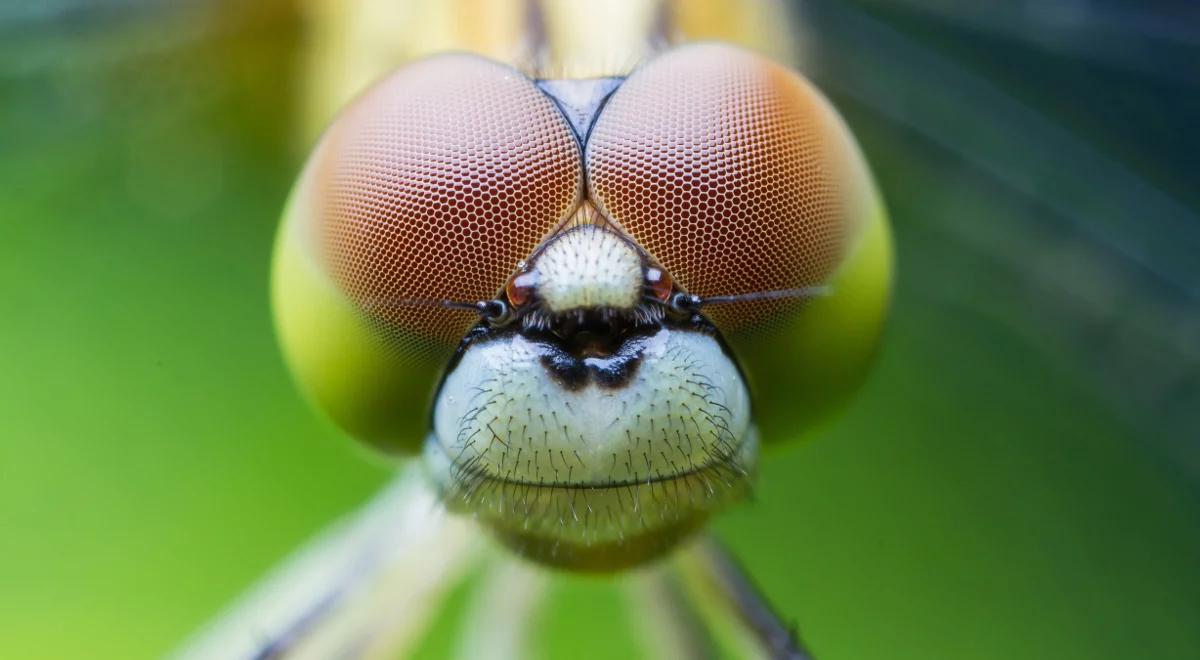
610 370
568 370
592 347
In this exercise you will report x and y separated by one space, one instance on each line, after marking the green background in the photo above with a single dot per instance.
1019 478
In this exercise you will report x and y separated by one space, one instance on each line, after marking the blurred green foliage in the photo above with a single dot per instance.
1018 479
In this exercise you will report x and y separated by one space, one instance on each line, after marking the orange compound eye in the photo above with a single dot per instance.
433 186
731 171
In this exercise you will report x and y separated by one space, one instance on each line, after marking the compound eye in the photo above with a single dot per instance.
732 172
433 186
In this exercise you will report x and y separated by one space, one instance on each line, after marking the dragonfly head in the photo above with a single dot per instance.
587 273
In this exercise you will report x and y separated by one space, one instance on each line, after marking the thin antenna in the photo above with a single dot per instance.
495 311
689 302
385 303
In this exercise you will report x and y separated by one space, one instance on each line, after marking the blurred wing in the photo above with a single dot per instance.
1078 190
365 588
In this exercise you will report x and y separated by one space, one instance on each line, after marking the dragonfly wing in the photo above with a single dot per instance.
366 587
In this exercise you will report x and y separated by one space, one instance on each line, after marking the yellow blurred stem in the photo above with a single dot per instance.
352 43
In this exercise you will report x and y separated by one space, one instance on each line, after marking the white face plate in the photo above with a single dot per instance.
502 413
584 462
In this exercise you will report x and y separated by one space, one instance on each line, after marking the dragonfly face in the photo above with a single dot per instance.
598 425
602 264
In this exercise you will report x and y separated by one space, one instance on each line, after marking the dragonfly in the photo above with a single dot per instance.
575 267
1040 162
